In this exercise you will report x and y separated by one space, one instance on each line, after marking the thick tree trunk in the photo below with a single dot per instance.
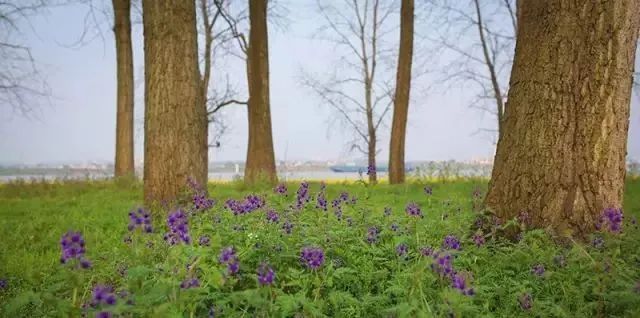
174 116
124 162
260 163
401 99
561 157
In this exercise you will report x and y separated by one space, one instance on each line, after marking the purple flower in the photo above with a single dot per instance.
443 264
428 190
104 314
272 216
402 249
478 239
372 235
538 270
281 189
190 283
228 256
73 248
611 218
371 170
249 204
3 283
337 211
265 274
287 226
204 240
459 282
201 202
102 295
413 209
394 227
140 219
312 257
426 251
344 196
451 242
526 301
302 195
387 211
321 201
233 267
178 228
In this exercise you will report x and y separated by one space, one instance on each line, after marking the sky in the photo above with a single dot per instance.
78 125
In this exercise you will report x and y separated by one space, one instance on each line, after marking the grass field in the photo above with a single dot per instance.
386 272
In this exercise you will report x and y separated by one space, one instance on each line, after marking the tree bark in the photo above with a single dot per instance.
401 97
561 157
174 116
260 163
124 161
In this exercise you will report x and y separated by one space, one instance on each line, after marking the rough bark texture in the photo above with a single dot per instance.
562 154
124 162
261 164
401 99
174 116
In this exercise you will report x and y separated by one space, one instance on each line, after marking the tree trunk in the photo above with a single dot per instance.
174 116
561 157
124 161
260 163
401 99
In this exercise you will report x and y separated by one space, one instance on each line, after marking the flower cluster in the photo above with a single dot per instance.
611 219
426 251
103 295
538 270
272 216
371 170
394 227
321 201
302 195
478 239
178 230
598 242
459 282
249 204
140 218
204 240
3 283
280 189
372 235
266 274
413 209
287 227
402 249
451 243
190 283
312 257
443 264
73 248
201 202
228 256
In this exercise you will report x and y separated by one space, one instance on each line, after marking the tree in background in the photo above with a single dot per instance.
174 116
561 158
124 162
401 99
357 26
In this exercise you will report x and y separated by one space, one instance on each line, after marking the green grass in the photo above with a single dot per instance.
357 279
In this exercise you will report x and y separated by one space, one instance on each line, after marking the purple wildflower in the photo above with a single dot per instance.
478 239
337 211
312 257
228 256
178 230
204 240
598 242
201 202
612 219
287 226
190 283
443 264
372 235
526 301
426 251
402 249
451 242
249 204
281 189
413 209
3 283
321 201
73 248
140 219
538 270
344 196
394 227
371 170
302 195
387 211
104 314
459 282
265 274
102 295
273 217
428 190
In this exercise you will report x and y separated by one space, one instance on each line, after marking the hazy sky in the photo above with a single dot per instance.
80 123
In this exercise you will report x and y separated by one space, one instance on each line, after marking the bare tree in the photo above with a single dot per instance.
484 42
357 93
22 86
